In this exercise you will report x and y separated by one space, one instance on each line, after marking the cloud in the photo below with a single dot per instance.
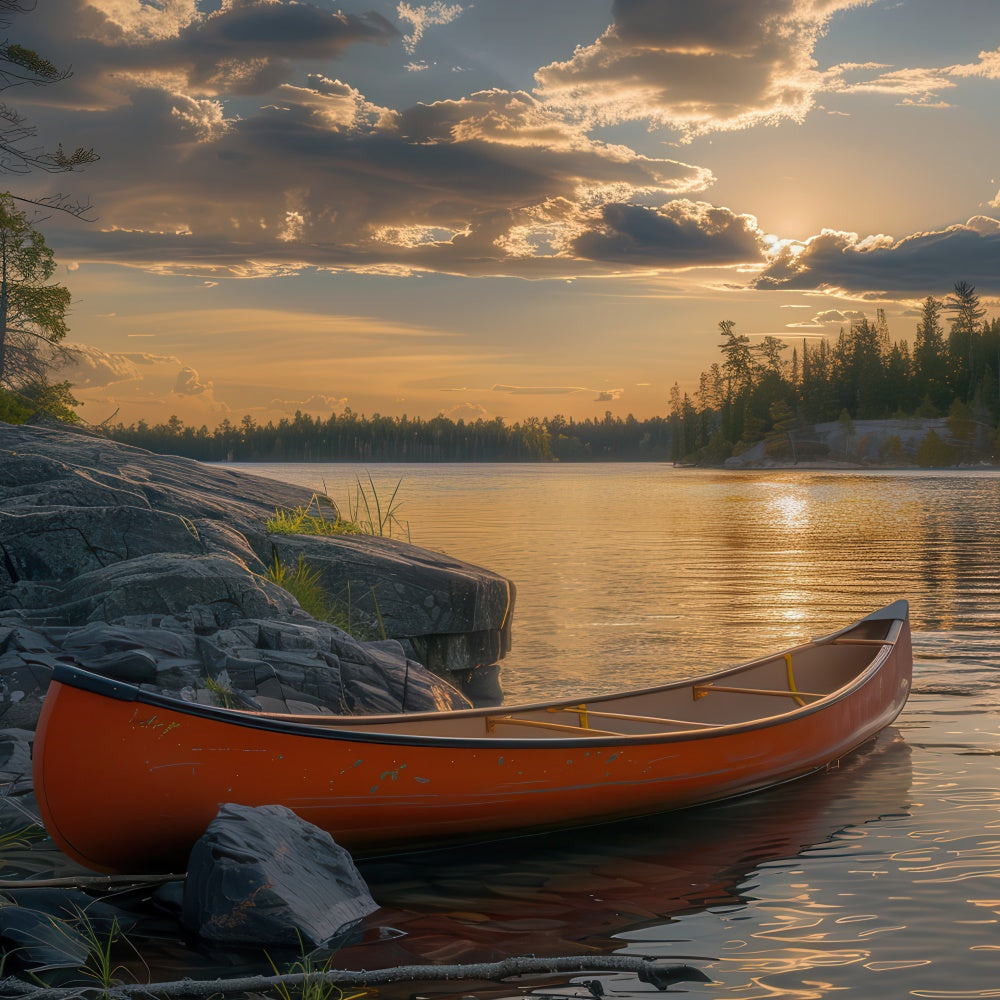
422 16
921 263
609 395
679 234
189 383
988 66
498 182
88 367
838 316
468 412
492 183
244 47
550 390
129 386
318 403
827 319
697 68
915 85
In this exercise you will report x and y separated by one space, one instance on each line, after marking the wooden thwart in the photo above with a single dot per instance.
861 642
701 690
492 721
652 719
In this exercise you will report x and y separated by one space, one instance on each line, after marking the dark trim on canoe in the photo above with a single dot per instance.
77 677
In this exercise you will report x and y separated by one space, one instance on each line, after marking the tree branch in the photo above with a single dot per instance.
653 971
61 203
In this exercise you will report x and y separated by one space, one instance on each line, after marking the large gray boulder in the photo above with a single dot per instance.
152 569
450 615
263 876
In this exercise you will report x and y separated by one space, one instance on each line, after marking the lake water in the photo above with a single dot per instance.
880 878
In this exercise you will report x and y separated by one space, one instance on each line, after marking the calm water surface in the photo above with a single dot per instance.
629 574
879 878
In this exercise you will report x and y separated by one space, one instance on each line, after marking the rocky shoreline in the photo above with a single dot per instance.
153 570
866 444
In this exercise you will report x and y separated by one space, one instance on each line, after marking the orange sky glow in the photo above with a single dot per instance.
500 208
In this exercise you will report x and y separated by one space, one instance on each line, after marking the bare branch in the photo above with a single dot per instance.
61 203
658 973
19 153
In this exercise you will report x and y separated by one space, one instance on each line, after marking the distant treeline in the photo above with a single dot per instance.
352 437
756 393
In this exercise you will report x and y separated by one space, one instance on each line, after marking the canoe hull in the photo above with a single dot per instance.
126 785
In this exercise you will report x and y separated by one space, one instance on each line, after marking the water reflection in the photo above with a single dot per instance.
589 890
629 574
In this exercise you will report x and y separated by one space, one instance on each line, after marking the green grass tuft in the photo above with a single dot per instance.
311 979
369 514
305 584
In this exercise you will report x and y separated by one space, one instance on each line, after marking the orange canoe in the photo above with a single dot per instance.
127 780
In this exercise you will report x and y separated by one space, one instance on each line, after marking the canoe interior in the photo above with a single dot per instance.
762 690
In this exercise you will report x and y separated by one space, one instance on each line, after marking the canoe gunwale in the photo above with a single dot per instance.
307 726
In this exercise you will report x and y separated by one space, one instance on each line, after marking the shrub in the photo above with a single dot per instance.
934 452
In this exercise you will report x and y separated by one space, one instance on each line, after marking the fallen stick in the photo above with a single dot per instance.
88 881
653 971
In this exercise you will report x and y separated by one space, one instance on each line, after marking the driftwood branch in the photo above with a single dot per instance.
658 973
89 881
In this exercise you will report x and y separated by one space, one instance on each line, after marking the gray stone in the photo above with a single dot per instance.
151 569
262 876
40 927
15 761
455 616
171 584
34 940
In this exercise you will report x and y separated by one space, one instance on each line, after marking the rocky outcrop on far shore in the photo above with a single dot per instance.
854 444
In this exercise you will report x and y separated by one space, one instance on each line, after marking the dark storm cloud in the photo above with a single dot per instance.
679 234
922 263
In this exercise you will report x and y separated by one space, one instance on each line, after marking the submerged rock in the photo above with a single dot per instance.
263 876
49 928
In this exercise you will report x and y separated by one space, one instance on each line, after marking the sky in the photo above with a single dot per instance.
503 208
